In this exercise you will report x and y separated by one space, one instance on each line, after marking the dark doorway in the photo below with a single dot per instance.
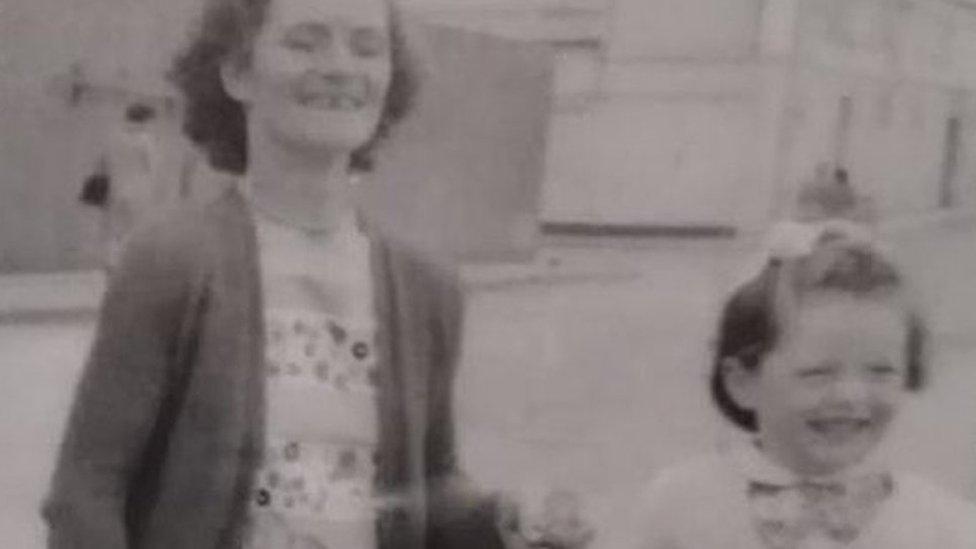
950 162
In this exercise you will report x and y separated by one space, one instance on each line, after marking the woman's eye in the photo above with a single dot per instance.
367 42
300 44
815 373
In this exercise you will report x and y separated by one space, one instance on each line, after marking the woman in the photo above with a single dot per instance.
246 387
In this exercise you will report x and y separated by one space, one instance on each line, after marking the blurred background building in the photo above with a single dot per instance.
684 114
598 133
668 116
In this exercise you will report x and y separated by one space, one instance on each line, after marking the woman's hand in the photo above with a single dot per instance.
269 531
559 524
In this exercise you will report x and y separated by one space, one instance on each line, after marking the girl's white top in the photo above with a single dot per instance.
706 502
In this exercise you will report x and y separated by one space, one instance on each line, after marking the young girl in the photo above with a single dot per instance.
813 358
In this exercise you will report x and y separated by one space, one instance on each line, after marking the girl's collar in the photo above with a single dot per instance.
752 463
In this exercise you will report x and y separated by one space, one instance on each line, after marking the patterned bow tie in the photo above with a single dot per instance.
786 516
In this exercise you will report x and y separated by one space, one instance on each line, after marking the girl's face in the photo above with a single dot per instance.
318 73
826 395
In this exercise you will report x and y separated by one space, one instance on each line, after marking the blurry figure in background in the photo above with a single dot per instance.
268 372
828 196
827 201
813 360
131 163
95 188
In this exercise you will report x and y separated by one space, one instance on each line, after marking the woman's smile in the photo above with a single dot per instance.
334 93
318 74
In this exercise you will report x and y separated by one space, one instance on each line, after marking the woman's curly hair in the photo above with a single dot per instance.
216 122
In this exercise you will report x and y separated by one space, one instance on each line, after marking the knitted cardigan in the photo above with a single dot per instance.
166 427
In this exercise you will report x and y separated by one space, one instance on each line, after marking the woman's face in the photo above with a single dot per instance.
827 394
318 73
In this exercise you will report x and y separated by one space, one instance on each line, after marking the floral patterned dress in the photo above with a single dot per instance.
314 488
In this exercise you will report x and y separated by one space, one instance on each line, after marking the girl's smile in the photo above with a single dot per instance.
839 428
842 432
825 396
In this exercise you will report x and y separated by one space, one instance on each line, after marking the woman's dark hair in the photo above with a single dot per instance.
216 122
749 326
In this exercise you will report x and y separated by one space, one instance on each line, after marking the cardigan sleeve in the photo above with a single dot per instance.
118 400
460 514
446 331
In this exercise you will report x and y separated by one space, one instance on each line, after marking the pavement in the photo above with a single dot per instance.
583 369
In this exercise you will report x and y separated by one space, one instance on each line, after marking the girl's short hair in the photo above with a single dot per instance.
750 324
216 122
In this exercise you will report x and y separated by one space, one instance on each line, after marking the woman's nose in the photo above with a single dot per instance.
337 58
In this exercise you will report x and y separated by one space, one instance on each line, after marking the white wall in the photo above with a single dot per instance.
38 381
124 42
649 161
911 39
697 29
656 119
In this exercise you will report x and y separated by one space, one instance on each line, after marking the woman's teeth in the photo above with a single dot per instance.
334 102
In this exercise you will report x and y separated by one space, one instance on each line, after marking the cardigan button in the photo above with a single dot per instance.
263 497
360 350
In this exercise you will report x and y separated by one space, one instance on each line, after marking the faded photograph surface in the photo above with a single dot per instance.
363 274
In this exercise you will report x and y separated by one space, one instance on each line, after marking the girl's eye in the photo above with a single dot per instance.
882 370
367 42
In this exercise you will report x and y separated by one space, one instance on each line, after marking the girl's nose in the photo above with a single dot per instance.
850 391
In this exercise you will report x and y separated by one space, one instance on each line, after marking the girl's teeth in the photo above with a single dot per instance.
838 426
